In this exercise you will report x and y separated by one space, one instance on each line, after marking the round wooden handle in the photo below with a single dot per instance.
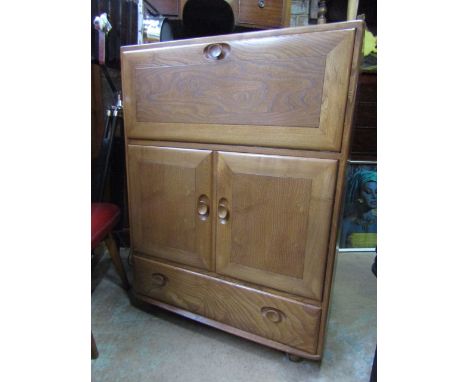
215 51
272 314
159 279
223 212
203 209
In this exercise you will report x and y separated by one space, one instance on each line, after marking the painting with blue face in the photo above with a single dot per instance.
359 225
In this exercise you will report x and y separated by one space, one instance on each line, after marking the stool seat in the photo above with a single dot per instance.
104 217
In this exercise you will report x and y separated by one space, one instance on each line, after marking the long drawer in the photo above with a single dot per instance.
273 317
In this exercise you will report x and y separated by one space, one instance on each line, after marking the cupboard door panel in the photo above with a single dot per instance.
278 219
286 88
170 203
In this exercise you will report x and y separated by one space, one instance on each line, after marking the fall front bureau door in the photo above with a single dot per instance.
170 203
274 219
284 88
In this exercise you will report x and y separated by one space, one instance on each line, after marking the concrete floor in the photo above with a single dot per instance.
149 344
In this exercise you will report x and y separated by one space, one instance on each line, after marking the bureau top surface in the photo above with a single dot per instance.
292 87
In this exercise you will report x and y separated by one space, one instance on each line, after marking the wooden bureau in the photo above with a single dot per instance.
236 149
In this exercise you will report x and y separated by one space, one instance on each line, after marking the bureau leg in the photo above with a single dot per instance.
294 358
114 254
94 351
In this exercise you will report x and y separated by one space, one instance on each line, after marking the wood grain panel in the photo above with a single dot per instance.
278 86
274 214
277 318
258 93
227 328
277 231
287 90
165 184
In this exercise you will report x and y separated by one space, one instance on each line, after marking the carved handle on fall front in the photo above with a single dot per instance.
203 207
272 314
223 211
217 51
158 279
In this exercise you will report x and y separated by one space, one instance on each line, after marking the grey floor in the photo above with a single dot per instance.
149 344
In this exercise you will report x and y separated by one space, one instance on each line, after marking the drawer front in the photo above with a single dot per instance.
273 317
289 89
270 14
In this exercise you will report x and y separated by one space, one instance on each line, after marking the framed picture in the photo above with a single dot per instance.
359 220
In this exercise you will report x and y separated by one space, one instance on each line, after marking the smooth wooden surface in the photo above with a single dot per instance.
280 209
231 304
165 185
286 90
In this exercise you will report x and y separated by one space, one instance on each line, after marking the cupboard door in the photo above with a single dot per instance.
273 218
170 203
283 88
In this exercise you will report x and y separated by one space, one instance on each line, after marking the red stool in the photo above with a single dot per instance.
104 217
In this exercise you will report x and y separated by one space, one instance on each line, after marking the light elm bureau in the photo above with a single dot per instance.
236 149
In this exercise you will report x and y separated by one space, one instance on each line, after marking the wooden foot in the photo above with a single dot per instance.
94 351
115 256
294 358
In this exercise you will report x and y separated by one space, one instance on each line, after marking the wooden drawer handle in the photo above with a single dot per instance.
223 211
203 207
217 51
272 314
158 279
